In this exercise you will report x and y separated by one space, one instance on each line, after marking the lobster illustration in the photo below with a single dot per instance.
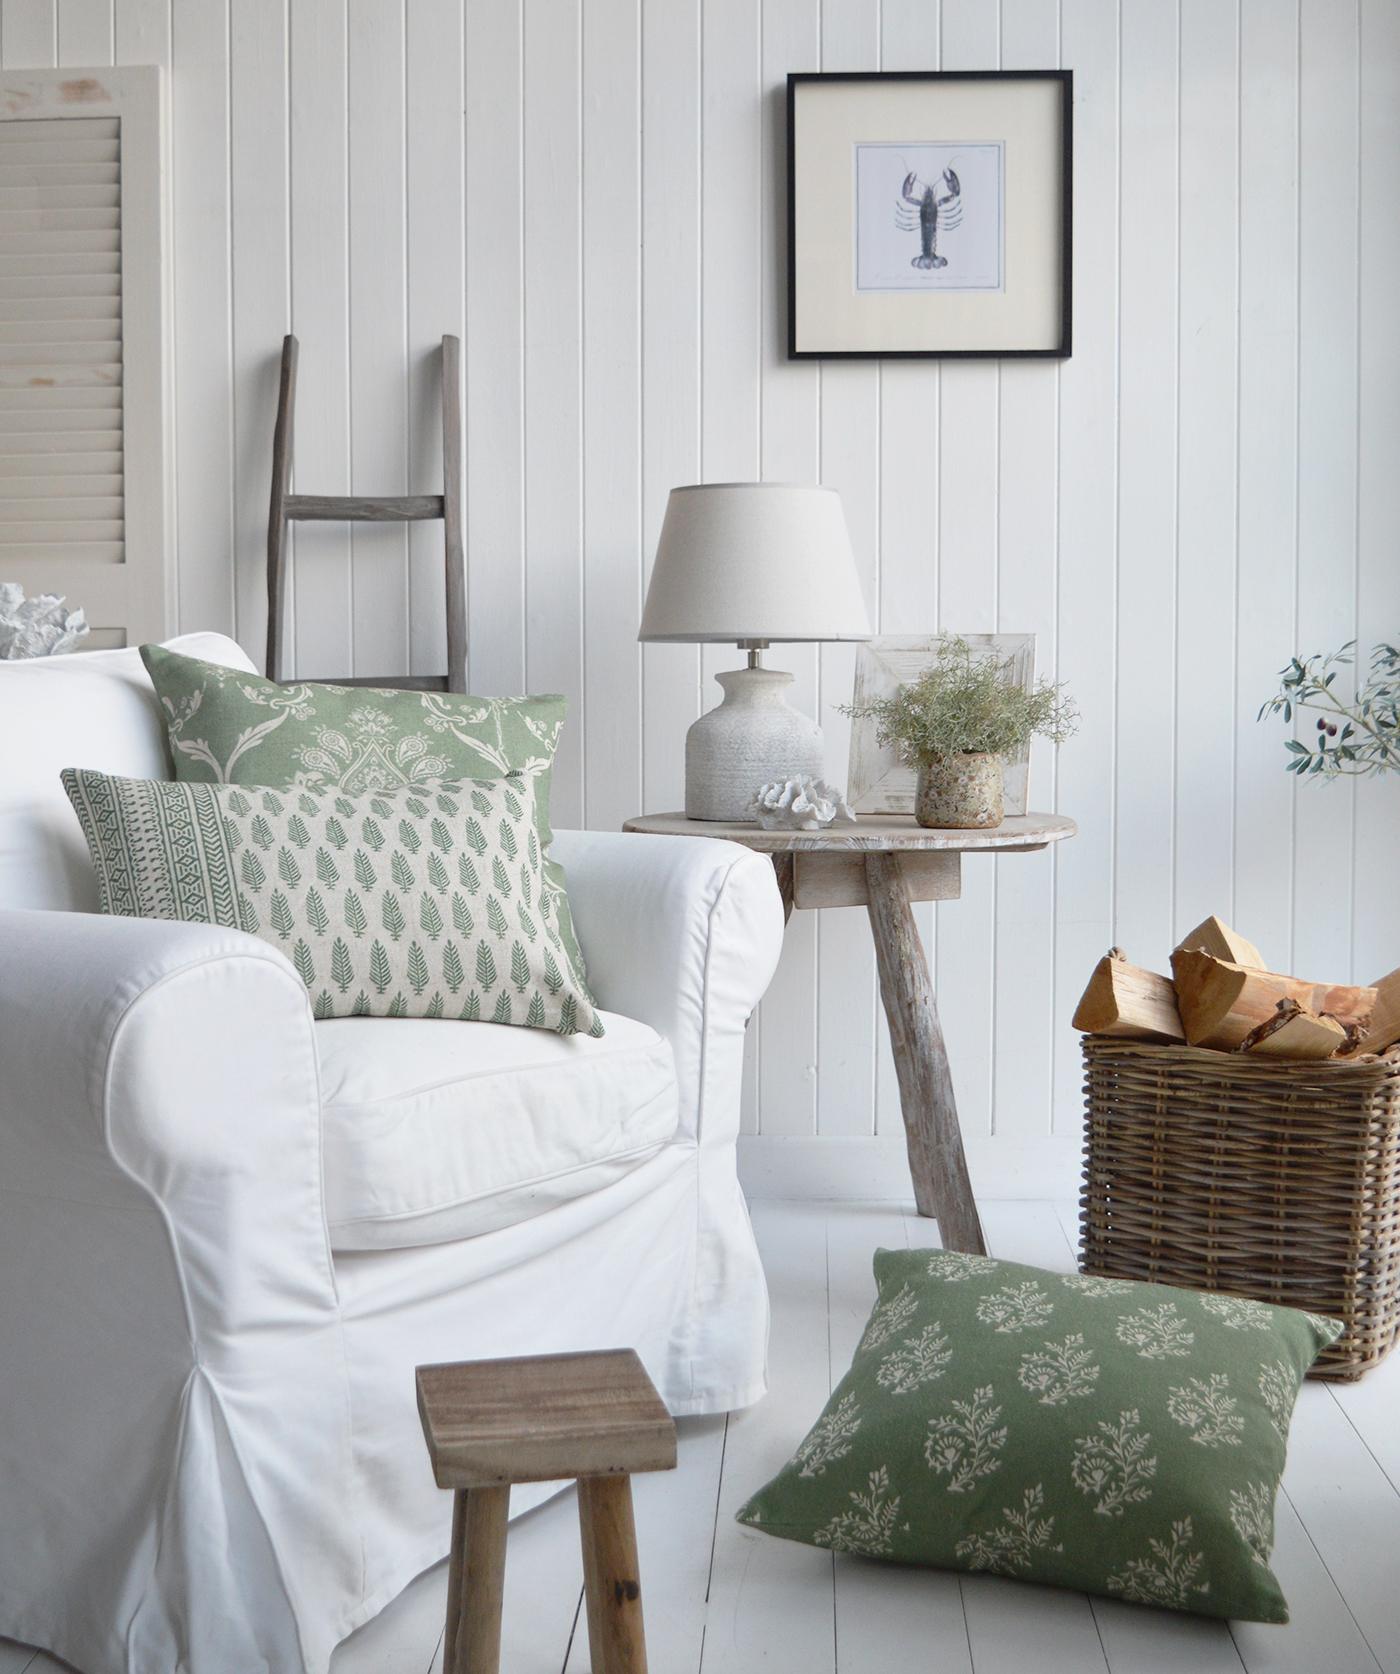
921 206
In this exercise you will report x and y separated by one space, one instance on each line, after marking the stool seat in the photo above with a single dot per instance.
537 1418
542 1417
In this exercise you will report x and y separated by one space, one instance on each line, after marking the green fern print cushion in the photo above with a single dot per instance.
1117 1438
418 902
227 727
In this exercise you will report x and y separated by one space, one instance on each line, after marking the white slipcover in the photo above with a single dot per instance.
210 1458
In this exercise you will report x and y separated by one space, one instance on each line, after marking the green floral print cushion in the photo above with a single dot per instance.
1117 1438
227 727
425 901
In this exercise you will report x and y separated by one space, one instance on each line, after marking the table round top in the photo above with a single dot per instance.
871 832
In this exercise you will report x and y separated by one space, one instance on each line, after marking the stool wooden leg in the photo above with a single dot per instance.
616 1640
454 1581
476 1581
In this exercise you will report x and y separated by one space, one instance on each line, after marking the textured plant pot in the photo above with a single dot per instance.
959 793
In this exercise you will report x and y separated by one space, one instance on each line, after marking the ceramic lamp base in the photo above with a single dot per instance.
753 737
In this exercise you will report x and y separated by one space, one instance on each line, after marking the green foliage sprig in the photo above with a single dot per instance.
965 704
1368 740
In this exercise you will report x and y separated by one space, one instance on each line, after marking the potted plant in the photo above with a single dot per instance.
953 725
1368 740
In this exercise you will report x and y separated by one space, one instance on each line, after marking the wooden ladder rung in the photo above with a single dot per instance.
346 508
396 682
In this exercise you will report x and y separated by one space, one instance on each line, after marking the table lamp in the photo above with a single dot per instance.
751 563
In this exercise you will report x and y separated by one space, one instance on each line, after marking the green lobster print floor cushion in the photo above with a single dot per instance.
227 727
426 901
1114 1437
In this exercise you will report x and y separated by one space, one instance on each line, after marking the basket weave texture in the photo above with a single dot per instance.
1278 1181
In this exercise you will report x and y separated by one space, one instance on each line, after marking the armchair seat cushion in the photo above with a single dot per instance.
434 1130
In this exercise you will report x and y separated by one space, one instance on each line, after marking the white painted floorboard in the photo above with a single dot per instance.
723 1599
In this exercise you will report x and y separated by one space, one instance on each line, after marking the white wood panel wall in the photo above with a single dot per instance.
590 194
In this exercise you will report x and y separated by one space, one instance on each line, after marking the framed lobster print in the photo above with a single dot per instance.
929 214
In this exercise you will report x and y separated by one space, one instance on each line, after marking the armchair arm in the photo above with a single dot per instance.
173 1365
682 933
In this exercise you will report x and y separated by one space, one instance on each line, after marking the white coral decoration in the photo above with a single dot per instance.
798 804
37 627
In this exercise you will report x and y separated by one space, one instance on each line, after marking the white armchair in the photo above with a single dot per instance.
210 1457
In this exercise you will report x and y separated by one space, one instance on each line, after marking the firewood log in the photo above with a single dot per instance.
1221 942
1294 1033
1221 1003
1128 1002
1383 1030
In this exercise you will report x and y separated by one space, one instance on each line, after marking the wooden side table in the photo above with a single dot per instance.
883 863
489 1423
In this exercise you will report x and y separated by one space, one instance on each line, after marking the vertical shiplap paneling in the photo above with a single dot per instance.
1378 499
909 497
259 172
85 32
1268 467
730 266
612 416
378 216
321 596
1147 477
436 102
28 34
1208 368
1086 580
968 463
1328 251
784 1028
141 31
850 463
204 523
671 168
846 989
495 348
553 437
1027 501
378 330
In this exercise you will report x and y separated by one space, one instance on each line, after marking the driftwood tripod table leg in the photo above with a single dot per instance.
613 1590
476 1581
942 1188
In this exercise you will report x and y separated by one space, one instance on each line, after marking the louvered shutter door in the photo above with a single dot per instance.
60 340
80 349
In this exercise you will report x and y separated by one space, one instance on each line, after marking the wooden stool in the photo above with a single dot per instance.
489 1423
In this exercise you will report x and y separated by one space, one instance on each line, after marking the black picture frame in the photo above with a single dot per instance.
833 313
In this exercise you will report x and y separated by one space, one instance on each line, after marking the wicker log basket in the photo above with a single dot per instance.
1257 1177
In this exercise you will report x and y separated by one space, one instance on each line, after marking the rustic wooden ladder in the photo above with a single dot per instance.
403 508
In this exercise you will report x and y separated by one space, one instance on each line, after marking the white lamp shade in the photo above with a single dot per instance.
754 560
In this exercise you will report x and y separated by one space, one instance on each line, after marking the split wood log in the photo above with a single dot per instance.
1294 1033
1221 942
1132 1004
1384 1028
1221 1003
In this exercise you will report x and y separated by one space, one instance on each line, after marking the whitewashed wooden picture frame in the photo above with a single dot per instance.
878 782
